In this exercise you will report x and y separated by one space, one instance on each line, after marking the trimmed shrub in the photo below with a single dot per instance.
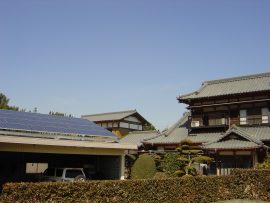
171 164
143 168
244 184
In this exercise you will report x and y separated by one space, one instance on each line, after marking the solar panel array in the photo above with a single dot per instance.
26 121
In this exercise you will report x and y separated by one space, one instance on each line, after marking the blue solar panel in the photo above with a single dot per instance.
49 123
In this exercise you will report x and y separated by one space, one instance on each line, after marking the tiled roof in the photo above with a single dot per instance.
232 144
115 116
260 132
244 141
111 116
242 133
204 137
137 137
230 86
174 134
174 138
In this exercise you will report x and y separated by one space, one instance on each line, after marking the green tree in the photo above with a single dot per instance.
59 114
265 164
188 157
170 163
148 127
4 103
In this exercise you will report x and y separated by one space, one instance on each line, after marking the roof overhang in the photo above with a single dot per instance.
18 140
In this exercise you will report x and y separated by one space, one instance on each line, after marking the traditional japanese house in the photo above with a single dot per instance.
120 123
230 119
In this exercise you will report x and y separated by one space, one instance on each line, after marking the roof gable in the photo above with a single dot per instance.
115 116
173 135
236 133
234 138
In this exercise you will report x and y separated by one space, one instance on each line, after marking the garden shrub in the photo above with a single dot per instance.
171 164
265 164
143 168
243 184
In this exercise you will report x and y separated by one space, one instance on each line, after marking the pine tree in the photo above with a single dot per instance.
188 157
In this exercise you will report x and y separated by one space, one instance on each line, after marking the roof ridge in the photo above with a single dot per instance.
115 112
230 79
175 125
245 134
150 138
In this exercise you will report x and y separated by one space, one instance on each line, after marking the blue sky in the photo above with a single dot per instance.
86 57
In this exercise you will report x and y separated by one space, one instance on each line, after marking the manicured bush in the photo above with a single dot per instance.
243 184
143 168
171 164
189 156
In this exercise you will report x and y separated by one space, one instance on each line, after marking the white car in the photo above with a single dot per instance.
64 174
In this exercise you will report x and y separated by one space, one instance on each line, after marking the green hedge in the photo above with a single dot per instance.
247 184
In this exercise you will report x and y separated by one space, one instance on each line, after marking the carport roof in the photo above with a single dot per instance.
63 143
50 124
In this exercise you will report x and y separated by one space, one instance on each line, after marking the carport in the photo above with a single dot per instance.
26 153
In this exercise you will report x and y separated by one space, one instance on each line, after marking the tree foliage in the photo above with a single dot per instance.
265 164
187 157
148 127
59 114
171 163
4 103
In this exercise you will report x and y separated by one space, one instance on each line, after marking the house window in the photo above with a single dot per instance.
243 117
254 116
265 114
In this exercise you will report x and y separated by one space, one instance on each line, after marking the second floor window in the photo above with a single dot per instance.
243 117
265 114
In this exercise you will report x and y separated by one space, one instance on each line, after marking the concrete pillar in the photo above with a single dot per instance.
122 167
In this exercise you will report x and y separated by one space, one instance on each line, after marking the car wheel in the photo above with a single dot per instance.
79 178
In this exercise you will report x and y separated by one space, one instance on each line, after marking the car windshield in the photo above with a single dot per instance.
49 172
72 173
